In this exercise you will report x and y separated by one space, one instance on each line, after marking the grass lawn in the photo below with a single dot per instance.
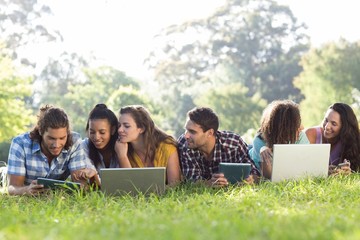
308 209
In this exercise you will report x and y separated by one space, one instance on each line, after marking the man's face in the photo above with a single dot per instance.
53 141
195 137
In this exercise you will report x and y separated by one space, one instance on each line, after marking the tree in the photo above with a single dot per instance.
100 85
260 39
22 23
331 74
15 117
57 77
236 111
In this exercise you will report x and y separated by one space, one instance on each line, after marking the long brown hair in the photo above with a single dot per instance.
349 134
153 135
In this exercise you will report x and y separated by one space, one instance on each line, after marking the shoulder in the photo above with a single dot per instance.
167 146
165 149
76 139
75 136
22 139
228 136
85 143
311 134
303 139
181 141
230 139
258 141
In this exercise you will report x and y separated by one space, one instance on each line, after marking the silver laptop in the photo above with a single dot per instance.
295 161
133 181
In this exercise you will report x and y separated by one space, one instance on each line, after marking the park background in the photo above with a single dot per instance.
234 56
170 55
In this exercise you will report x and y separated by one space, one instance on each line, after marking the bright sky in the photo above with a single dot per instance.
120 32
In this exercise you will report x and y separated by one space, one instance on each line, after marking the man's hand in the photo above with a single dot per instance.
33 189
218 180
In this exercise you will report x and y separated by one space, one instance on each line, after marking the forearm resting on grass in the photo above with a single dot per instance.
17 187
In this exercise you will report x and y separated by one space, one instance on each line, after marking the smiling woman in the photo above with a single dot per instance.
101 129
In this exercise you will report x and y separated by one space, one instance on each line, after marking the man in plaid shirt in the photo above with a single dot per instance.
202 147
50 150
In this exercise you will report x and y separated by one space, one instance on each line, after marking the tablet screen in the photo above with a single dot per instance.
52 183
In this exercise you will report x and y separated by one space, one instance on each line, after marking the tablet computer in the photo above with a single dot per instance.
235 172
53 183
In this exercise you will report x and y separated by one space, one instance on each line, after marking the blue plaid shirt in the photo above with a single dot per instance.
229 147
26 159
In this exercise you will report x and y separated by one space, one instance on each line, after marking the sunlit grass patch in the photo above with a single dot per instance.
320 208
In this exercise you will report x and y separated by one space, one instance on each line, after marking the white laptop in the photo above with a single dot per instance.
295 161
121 181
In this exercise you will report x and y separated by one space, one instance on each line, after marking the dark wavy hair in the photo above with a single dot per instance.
51 117
280 122
100 111
205 117
349 134
153 135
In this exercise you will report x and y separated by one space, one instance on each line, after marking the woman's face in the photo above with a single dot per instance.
332 124
128 130
100 132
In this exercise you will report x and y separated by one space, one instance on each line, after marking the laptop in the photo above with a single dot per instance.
132 181
296 161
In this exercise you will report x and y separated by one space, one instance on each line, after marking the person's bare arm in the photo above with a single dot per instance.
266 162
311 135
173 169
121 150
17 187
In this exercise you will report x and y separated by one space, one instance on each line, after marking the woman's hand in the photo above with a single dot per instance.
341 169
121 149
84 175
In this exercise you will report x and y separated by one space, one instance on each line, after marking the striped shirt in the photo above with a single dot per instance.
26 159
229 147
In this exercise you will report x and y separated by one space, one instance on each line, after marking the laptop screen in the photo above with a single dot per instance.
120 181
294 161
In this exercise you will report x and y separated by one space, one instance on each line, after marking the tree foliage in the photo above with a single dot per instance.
331 74
261 39
236 111
22 23
15 117
101 85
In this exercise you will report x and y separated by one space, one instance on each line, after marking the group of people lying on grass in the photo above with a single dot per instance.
52 150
